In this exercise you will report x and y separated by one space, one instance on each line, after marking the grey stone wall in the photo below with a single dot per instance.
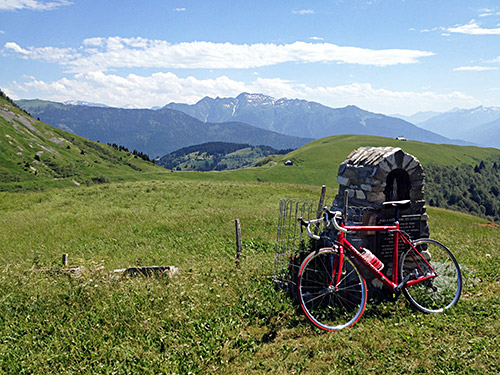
364 175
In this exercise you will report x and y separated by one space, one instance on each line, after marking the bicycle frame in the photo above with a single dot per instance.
391 283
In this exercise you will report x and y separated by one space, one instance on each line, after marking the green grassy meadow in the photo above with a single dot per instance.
211 317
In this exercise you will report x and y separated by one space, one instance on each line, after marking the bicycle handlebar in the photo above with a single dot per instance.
335 214
308 223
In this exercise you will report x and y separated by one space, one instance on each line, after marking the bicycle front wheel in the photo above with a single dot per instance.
440 292
329 305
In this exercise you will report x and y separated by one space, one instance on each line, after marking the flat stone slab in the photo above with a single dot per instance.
149 271
72 271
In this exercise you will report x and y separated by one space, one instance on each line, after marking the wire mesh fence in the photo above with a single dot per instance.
293 243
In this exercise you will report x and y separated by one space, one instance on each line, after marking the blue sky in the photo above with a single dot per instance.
386 56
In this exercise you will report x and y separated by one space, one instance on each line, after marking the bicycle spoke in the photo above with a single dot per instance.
345 277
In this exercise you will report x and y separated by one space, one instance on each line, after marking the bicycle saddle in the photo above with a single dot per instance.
400 204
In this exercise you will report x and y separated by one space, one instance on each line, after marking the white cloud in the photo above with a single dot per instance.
486 12
41 5
475 68
161 88
139 91
48 54
473 28
101 54
179 9
94 42
16 48
302 12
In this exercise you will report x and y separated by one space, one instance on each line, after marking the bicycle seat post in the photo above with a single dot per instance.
398 205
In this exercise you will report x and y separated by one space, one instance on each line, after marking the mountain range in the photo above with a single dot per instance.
303 118
258 119
155 132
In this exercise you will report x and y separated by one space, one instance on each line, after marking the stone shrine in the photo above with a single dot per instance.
373 175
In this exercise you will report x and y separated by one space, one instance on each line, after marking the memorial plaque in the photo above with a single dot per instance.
410 224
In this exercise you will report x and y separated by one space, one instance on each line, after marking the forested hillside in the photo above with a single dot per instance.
217 156
466 188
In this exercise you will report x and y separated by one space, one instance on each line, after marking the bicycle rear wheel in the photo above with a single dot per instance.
331 307
438 293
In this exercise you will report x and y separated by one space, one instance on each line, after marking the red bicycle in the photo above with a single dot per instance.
333 293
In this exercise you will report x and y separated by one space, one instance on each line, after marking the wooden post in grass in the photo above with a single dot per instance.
65 260
238 242
320 207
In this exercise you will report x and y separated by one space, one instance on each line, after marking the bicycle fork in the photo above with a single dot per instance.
336 271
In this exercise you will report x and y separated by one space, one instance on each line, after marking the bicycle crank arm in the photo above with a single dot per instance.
410 276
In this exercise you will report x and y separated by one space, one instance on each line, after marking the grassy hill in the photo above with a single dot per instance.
317 162
36 155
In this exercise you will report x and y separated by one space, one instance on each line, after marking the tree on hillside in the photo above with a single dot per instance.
465 188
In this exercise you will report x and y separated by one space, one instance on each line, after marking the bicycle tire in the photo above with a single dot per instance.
439 293
327 306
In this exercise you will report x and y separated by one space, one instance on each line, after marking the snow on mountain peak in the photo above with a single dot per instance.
85 103
256 99
485 109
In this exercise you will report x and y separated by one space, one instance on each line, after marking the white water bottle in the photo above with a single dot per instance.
372 259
